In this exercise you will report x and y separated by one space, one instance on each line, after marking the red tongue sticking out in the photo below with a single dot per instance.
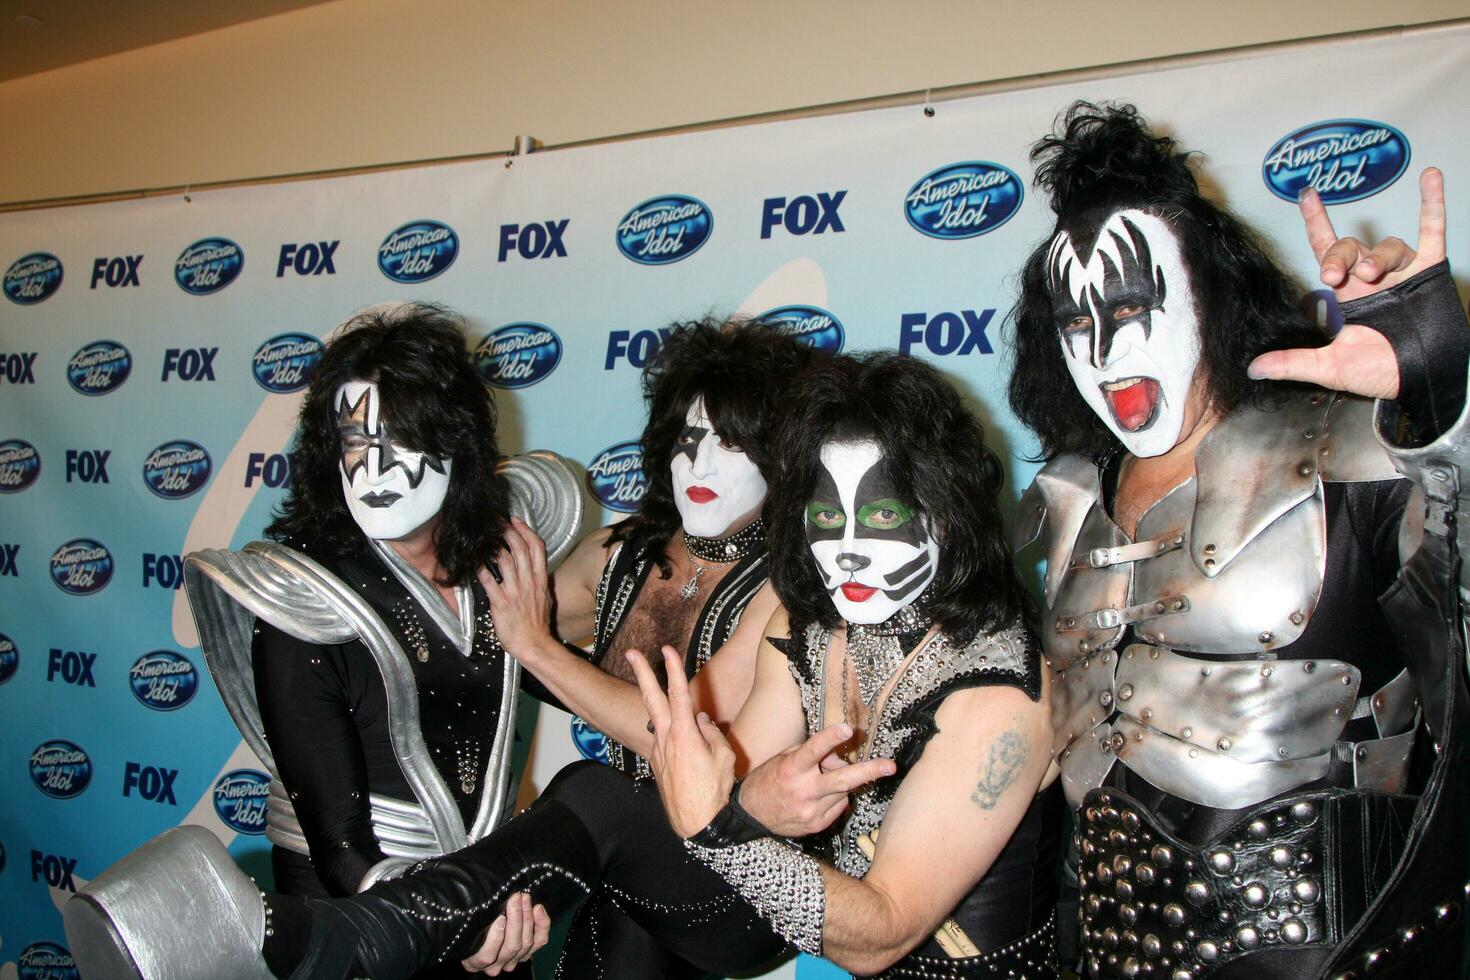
1134 405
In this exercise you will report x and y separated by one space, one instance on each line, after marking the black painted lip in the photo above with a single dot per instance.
381 498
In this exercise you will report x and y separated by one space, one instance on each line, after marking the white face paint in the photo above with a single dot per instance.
717 489
391 490
874 549
1128 327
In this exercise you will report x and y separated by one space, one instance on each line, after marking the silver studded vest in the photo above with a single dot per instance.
1223 571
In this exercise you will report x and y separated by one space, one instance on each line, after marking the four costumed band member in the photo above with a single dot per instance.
1253 623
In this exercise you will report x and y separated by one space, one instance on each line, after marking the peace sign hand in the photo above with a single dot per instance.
1359 360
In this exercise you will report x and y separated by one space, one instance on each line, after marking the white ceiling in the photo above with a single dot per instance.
79 30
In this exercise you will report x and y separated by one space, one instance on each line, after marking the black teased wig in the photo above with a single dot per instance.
1103 159
936 454
740 367
435 402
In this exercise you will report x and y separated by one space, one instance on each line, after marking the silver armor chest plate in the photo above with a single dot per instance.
1230 562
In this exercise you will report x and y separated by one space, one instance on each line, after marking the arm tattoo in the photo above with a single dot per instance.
1007 753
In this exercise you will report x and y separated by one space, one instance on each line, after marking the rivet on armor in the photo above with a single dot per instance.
1122 864
1159 608
1294 932
1125 692
1178 604
1105 699
1110 937
1309 666
1346 680
1265 636
1282 857
1128 914
1207 951
1256 895
1163 856
1303 812
1223 744
1194 753
1209 549
1267 671
1145 873
1094 904
1130 821
1181 974
1362 753
1304 469
1131 967
1123 889
1248 937
1130 939
1117 741
1085 647
1209 563
1186 732
1174 914
1110 815
1296 618
1223 862
1104 873
1309 434
1197 892
1258 829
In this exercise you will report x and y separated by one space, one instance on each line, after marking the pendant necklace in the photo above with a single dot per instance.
720 551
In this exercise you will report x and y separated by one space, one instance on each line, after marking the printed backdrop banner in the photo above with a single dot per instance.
153 352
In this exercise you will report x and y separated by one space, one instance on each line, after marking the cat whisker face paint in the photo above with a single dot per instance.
717 488
391 490
874 548
1128 325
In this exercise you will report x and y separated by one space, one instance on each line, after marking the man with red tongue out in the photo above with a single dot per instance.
1253 617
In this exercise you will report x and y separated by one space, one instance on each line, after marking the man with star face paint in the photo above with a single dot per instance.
900 649
1253 588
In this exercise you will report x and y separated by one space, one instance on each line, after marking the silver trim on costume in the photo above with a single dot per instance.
783 884
546 493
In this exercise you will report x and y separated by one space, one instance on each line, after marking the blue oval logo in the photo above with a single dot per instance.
60 769
616 477
418 251
285 362
33 278
99 367
81 567
177 469
240 797
20 465
518 355
811 325
163 680
591 743
208 266
46 961
665 229
1341 159
9 658
963 200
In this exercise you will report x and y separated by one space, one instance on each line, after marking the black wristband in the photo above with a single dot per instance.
732 825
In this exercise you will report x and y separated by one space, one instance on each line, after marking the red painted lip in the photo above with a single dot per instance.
700 495
856 592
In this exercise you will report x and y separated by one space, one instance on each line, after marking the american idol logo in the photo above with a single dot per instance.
33 278
240 800
46 961
518 355
665 229
99 367
9 658
20 465
60 769
811 325
208 266
1341 159
418 251
176 469
616 477
285 363
963 200
81 566
589 741
163 680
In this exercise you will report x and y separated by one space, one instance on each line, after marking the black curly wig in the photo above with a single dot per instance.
936 454
741 368
1103 159
434 401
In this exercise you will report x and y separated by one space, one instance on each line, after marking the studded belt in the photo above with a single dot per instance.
1153 905
1032 957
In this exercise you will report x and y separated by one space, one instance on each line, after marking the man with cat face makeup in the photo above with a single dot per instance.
688 569
1253 619
900 643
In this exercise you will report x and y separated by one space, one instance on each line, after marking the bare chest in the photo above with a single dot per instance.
659 617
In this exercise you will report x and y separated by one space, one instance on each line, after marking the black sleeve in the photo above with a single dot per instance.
1424 322
532 686
306 703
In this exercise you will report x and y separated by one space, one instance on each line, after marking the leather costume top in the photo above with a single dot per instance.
622 580
1241 683
1008 913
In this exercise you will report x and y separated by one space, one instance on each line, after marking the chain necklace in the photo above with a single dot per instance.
720 551
876 651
